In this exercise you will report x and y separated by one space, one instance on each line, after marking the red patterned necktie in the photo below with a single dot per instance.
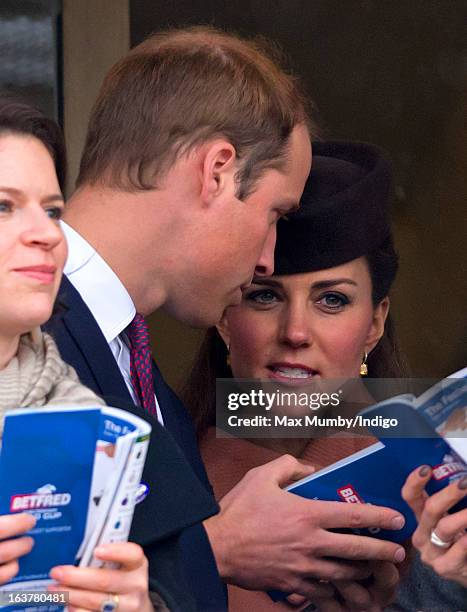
141 363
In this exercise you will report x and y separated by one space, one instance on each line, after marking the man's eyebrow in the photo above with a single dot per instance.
324 284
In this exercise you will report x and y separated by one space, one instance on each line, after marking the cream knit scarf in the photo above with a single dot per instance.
37 376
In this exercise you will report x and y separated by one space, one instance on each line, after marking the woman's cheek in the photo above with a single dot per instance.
344 346
249 344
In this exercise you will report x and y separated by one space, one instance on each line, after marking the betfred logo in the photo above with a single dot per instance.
45 497
349 495
444 470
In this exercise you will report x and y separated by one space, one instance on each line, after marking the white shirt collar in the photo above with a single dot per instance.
98 285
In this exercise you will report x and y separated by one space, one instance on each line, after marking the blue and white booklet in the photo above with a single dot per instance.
432 431
78 471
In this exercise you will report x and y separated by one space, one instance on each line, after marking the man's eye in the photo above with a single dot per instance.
333 301
262 296
278 215
54 212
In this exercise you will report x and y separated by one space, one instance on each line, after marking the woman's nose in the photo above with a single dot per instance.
41 230
295 328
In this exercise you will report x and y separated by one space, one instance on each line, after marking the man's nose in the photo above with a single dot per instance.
265 264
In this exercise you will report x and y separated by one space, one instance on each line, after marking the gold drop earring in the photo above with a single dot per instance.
364 367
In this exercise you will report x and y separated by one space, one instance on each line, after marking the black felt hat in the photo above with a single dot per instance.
344 210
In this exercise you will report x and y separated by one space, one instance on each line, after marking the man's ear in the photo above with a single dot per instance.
223 329
218 169
376 331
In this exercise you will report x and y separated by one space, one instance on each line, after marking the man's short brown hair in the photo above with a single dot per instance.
180 88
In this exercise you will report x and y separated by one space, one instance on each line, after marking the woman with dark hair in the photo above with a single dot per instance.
33 375
318 317
324 314
320 236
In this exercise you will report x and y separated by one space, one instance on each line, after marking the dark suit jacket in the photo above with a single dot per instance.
82 344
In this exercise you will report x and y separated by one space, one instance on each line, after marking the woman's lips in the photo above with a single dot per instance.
292 373
43 274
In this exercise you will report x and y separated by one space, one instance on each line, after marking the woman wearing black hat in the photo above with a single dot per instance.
323 314
319 315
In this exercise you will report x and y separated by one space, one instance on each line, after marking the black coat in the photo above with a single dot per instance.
168 522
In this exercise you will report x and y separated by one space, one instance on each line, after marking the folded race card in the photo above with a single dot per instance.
77 470
432 430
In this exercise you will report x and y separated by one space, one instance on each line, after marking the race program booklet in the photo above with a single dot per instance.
78 471
432 430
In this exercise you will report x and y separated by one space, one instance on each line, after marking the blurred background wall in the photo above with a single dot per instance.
30 52
393 73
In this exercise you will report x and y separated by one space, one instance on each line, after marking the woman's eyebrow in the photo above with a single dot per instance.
265 282
11 190
324 284
56 197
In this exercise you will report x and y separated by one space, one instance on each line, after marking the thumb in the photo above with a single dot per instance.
287 469
296 600
413 491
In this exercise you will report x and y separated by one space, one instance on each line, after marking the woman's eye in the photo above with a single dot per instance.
55 212
5 206
333 301
263 297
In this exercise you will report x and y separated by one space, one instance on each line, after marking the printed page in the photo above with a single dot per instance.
107 474
444 407
118 523
113 515
111 454
402 413
46 469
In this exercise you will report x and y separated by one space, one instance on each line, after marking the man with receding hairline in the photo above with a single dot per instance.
198 143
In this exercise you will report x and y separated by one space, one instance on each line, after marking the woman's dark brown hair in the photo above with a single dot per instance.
18 117
385 361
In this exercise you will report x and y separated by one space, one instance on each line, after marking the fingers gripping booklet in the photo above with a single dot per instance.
78 471
432 430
